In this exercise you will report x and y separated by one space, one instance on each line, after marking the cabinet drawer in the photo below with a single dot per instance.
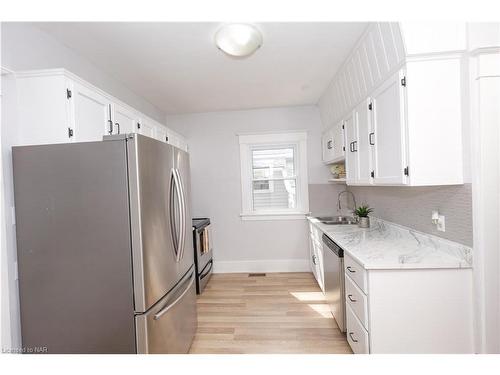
357 336
357 300
356 272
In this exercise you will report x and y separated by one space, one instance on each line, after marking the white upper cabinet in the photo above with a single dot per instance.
412 75
358 151
364 144
161 134
56 106
351 139
147 127
124 119
44 109
433 37
389 151
333 144
92 114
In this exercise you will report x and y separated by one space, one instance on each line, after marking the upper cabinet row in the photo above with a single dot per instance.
57 107
397 119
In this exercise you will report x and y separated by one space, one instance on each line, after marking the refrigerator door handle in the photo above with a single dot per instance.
164 310
183 214
174 230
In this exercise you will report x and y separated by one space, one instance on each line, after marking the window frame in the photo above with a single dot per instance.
250 142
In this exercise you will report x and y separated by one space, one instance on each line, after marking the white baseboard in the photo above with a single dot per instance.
245 266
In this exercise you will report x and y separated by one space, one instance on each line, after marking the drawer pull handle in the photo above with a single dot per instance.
350 298
350 270
352 337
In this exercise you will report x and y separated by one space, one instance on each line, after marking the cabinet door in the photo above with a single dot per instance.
389 127
327 146
351 138
338 141
91 114
161 134
147 128
124 120
320 267
362 118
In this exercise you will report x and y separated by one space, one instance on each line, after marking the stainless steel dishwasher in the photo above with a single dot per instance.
334 280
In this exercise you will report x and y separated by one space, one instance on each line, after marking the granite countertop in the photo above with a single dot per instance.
386 245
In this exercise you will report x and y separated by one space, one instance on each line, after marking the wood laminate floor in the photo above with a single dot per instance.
276 313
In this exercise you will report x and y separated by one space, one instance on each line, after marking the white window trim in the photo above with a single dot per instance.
250 141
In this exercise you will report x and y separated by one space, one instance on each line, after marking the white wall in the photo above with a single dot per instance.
26 47
216 191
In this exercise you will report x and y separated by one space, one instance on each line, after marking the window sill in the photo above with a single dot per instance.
275 216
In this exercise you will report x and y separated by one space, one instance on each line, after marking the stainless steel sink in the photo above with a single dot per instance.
337 220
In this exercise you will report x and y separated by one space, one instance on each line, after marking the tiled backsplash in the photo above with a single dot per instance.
412 207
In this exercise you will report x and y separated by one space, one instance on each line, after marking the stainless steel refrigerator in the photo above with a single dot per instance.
104 246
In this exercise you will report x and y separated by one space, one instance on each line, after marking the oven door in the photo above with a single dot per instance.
204 276
203 248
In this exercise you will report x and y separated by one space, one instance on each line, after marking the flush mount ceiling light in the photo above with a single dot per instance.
238 39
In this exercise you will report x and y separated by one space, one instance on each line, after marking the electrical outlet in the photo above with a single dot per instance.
441 223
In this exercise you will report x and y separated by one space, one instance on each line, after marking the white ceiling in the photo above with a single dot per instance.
177 67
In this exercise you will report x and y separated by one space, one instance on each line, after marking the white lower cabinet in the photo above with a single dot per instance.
409 311
357 300
316 255
357 335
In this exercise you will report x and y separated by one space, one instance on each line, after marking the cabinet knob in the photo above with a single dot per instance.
329 145
314 259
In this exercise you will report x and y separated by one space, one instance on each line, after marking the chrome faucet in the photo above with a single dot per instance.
353 198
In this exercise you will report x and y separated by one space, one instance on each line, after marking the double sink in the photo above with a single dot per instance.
337 220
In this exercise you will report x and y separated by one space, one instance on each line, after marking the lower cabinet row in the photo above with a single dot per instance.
403 310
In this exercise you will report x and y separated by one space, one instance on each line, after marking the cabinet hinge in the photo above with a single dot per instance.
372 173
407 171
403 81
68 94
70 132
343 126
166 138
370 106
138 125
343 148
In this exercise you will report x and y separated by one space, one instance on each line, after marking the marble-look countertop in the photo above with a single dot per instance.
387 245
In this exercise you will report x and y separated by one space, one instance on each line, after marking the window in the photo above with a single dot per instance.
274 176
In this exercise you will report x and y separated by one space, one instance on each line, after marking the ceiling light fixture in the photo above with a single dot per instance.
238 39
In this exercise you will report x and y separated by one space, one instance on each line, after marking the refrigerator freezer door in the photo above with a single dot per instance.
155 198
169 326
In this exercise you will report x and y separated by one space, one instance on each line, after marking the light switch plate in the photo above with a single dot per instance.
441 223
